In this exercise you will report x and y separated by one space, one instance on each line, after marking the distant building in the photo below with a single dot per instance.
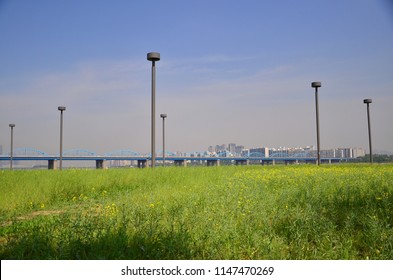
259 152
328 153
238 150
358 152
220 148
245 153
232 148
308 151
344 152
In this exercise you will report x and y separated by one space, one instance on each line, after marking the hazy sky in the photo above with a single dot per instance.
230 71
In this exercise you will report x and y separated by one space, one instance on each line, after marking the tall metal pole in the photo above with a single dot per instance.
61 109
316 85
12 144
153 114
368 101
153 57
163 116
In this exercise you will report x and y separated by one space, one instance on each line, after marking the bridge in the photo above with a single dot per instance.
101 161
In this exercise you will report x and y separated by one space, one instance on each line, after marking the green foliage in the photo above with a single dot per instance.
253 212
378 158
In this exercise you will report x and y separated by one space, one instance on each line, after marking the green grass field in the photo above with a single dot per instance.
248 212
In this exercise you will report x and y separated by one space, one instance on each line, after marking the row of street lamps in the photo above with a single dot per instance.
61 109
155 56
317 85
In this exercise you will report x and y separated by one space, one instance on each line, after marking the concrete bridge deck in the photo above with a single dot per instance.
177 160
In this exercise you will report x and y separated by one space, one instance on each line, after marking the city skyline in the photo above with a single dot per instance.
238 72
227 154
231 149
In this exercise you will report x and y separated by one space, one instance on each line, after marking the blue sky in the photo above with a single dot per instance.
230 71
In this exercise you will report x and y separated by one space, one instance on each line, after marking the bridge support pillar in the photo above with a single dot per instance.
180 162
142 163
100 164
212 162
242 162
52 164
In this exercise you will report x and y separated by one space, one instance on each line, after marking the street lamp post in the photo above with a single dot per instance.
153 57
61 109
163 116
317 85
368 101
12 144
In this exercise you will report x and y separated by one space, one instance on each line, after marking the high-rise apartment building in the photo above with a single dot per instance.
358 152
239 149
232 148
257 152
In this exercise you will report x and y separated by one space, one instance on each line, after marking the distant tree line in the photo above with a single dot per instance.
376 158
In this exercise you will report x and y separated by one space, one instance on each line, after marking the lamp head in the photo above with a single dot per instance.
61 108
153 56
367 101
316 84
12 125
163 116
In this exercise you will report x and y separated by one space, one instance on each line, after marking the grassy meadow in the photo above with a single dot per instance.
228 212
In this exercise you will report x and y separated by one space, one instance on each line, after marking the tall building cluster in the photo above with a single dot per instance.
233 150
230 148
